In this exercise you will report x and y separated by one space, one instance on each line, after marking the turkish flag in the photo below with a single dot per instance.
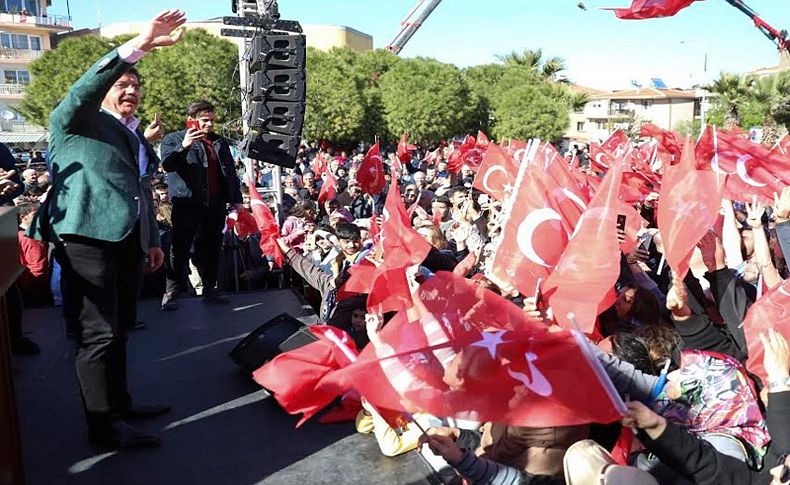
292 377
689 205
401 247
617 142
517 149
371 172
634 187
752 169
772 310
645 155
328 188
535 231
497 173
267 226
670 144
600 158
242 223
405 149
593 251
467 353
319 165
433 157
470 152
646 9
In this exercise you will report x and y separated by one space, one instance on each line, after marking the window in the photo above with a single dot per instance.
580 126
20 41
647 103
601 125
18 6
16 77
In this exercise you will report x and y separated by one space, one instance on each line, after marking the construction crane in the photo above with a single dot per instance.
778 37
420 12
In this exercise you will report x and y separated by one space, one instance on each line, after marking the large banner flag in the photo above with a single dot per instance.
468 353
647 9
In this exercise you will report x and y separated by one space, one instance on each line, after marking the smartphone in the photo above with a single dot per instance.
646 238
621 222
193 125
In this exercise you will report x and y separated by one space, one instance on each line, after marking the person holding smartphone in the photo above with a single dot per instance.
202 181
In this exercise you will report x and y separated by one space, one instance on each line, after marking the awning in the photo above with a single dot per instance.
10 138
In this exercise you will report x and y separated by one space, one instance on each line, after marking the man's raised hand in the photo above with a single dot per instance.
159 31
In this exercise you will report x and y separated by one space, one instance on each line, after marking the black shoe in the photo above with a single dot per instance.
25 346
139 324
169 302
120 434
143 411
213 297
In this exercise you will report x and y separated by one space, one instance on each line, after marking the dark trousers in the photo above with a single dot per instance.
202 225
103 279
13 303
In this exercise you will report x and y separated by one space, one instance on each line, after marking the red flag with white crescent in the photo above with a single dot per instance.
405 149
467 353
772 310
371 172
593 251
497 173
267 226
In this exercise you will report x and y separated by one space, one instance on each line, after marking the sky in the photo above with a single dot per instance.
600 51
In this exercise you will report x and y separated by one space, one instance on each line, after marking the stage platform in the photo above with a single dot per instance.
224 429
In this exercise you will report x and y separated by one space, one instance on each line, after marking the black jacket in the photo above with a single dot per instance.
699 461
186 172
8 163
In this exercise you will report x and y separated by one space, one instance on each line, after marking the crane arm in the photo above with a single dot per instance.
422 10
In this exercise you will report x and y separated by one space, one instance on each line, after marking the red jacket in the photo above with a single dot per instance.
33 256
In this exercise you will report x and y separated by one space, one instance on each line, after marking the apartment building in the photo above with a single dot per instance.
25 29
608 111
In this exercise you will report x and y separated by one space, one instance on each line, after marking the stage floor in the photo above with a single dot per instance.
224 429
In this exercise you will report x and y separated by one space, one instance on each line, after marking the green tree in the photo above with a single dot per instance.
201 66
370 67
734 91
690 128
427 99
335 106
481 81
549 69
526 106
56 70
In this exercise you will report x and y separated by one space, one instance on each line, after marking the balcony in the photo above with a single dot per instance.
19 54
20 127
59 22
621 113
16 90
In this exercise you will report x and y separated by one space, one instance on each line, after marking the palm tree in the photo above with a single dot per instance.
549 69
780 110
764 93
734 91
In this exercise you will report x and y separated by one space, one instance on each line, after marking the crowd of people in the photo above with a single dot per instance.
164 226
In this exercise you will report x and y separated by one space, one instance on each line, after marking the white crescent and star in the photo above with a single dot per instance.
490 341
526 231
538 383
598 157
740 168
495 168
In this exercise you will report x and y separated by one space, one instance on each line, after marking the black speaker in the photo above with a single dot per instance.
280 334
272 148
279 85
277 50
277 117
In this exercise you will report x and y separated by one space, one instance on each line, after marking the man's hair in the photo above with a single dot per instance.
454 190
200 106
133 71
347 230
160 186
441 199
24 209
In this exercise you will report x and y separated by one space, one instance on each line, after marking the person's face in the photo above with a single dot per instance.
354 190
341 172
428 235
323 243
410 195
780 473
358 320
205 120
164 197
625 300
751 272
459 198
441 209
123 96
466 172
331 206
308 179
349 247
419 179
31 177
289 182
441 166
28 219
245 201
430 175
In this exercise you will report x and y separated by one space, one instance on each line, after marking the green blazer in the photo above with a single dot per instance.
97 190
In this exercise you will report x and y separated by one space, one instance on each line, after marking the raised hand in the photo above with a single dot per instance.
782 205
640 416
159 31
776 357
7 185
754 214
155 130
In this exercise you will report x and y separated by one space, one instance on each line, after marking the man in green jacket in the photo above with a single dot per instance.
100 216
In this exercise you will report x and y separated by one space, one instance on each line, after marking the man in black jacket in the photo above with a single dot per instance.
202 180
